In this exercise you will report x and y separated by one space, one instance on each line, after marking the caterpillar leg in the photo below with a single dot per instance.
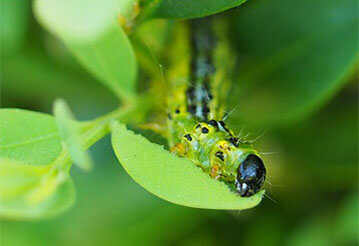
215 172
178 149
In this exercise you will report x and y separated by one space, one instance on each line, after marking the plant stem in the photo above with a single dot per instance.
98 128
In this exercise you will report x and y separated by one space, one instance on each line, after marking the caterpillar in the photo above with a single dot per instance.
196 130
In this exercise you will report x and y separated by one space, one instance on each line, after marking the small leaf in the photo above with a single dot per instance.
80 20
28 191
111 59
70 132
90 30
185 9
28 136
171 178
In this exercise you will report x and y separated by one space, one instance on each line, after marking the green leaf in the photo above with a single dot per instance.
111 59
90 30
70 131
80 20
34 179
185 9
28 191
28 136
13 25
294 63
174 179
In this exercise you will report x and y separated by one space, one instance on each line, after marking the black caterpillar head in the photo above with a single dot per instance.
251 174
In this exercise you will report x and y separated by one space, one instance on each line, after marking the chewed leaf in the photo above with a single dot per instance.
28 191
70 134
171 178
28 136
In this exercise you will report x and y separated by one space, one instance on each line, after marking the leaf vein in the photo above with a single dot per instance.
30 141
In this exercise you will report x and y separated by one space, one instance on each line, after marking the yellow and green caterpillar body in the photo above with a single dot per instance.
200 81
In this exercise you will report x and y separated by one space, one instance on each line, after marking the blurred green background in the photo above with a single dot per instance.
297 79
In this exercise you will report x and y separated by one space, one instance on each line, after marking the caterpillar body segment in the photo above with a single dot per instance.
200 83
